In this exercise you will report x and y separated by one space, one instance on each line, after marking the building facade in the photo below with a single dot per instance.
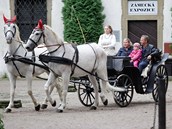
128 18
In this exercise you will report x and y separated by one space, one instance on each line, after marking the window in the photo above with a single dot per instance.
28 13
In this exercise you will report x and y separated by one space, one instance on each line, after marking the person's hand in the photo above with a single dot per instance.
149 57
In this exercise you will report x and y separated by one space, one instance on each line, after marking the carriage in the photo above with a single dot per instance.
122 74
67 60
114 74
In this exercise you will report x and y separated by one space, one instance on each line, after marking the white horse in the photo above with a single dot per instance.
15 68
88 59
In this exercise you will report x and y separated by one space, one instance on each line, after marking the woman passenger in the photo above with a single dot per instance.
126 49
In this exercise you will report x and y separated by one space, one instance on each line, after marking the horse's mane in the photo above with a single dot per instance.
59 41
18 34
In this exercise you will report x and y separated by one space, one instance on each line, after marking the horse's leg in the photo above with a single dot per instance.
30 93
59 90
65 82
95 84
102 93
49 83
45 105
12 79
103 85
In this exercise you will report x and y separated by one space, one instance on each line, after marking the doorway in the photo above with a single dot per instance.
138 28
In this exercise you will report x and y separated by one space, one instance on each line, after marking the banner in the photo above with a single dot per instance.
142 7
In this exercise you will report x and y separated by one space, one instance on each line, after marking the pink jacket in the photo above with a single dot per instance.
136 55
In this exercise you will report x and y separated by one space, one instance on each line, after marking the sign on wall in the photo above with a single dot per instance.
142 8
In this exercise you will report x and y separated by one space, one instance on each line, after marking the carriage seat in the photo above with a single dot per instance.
156 57
118 62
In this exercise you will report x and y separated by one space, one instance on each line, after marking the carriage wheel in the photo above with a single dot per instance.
86 93
123 99
160 72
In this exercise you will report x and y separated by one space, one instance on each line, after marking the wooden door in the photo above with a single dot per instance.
138 28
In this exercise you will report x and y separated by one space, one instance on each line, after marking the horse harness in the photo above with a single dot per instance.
23 59
62 60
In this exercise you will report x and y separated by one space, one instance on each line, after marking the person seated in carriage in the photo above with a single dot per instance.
126 49
108 41
147 51
135 55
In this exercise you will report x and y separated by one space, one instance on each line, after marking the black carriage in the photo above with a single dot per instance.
122 74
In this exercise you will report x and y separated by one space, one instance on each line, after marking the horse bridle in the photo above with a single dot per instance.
35 42
13 33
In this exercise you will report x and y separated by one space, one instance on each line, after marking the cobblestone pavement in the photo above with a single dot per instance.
138 115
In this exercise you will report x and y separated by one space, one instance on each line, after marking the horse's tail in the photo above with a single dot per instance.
115 88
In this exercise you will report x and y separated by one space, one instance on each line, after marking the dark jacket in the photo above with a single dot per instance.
148 50
124 52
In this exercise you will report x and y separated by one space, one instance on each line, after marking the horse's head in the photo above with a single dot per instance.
9 29
36 37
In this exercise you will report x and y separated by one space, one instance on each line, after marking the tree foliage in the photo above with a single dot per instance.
1 124
83 20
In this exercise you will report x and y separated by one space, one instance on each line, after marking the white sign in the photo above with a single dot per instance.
142 7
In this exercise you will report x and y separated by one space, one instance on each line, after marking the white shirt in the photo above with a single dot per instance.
108 42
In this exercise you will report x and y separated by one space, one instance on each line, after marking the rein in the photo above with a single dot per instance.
42 46
66 61
13 57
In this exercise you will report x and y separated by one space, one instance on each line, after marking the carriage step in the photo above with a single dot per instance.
4 103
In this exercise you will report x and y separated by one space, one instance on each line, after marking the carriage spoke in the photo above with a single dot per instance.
84 97
126 81
92 95
89 98
82 93
128 95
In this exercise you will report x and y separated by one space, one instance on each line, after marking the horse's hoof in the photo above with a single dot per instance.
7 110
37 108
105 102
93 108
54 104
44 106
59 110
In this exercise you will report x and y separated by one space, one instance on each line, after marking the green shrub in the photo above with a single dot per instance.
83 20
1 124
